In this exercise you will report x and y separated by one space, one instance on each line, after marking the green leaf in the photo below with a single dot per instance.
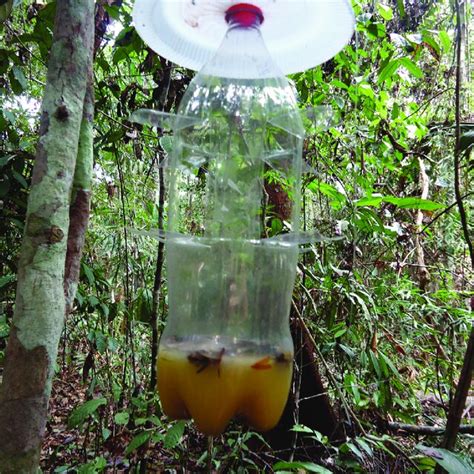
375 364
10 116
106 433
351 386
82 412
365 88
452 462
93 467
20 179
122 418
5 159
302 429
365 446
404 203
352 447
369 201
467 140
337 198
376 30
388 70
166 143
414 203
174 435
432 43
137 441
6 279
401 8
93 300
411 67
340 333
296 465
119 55
389 364
5 9
340 84
88 273
20 77
113 11
385 11
445 40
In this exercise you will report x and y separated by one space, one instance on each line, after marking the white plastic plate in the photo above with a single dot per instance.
299 34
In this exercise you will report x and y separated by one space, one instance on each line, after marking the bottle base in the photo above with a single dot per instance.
213 387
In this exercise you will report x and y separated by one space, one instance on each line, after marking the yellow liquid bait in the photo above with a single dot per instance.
212 387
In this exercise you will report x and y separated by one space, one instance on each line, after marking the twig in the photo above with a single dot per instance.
428 101
15 34
444 211
403 454
128 127
426 429
311 299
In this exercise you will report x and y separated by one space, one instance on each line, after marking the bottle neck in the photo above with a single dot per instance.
242 53
235 26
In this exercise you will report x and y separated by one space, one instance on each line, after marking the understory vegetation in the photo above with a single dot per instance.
386 307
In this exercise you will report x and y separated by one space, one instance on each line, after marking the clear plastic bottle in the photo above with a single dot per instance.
227 351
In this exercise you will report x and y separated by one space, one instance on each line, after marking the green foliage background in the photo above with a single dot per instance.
391 336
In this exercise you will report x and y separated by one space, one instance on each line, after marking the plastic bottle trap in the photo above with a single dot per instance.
233 212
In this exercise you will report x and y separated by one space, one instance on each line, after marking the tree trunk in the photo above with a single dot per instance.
80 198
40 301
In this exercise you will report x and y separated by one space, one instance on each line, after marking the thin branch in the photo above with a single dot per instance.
15 34
128 127
444 211
426 429
428 101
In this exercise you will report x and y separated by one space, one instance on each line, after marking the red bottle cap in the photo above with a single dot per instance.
244 14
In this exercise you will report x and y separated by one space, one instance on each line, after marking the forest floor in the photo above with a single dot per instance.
99 444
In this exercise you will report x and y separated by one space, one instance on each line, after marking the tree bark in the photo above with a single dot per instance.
40 301
80 198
